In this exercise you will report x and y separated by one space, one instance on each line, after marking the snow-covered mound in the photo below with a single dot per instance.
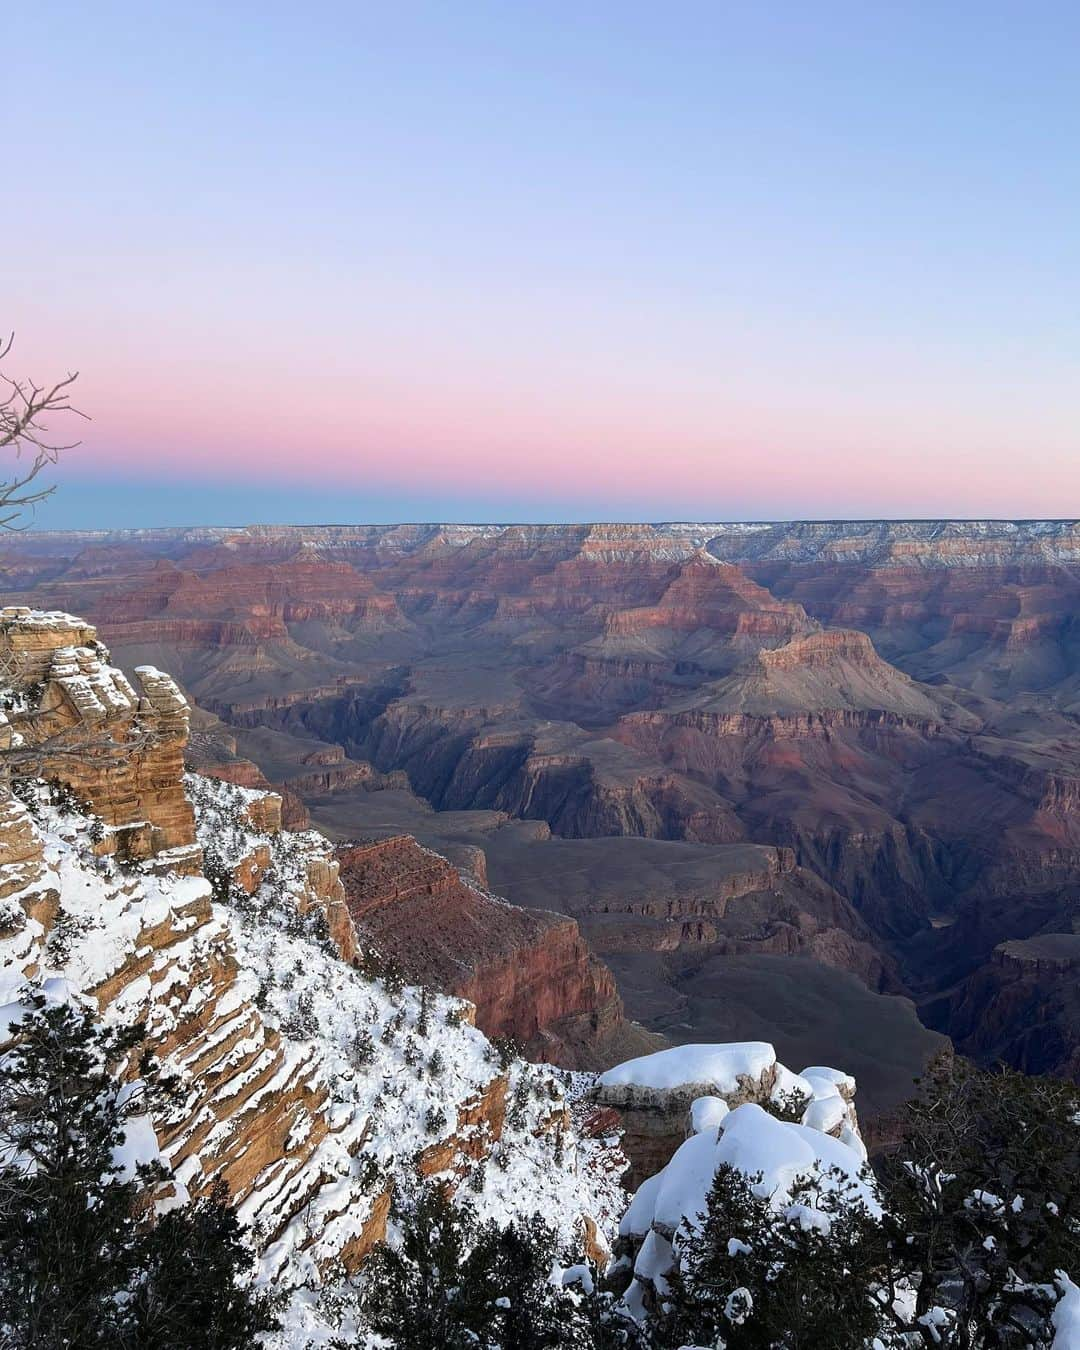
1067 1316
688 1089
777 1154
690 1109
721 1068
753 1142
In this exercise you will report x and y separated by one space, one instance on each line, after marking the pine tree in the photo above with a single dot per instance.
68 1240
188 1296
83 1261
982 1194
457 1284
756 1277
415 1295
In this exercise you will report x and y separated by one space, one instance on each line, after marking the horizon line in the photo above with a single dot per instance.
547 524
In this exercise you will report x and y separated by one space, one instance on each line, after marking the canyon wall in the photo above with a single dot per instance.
311 1087
528 973
891 702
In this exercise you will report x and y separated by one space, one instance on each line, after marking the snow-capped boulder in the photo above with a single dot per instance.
788 1085
752 1141
726 1070
654 1093
706 1113
779 1153
831 1108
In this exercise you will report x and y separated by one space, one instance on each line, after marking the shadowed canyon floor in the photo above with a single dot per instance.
779 774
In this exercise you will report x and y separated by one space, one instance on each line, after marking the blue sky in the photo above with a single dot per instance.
550 261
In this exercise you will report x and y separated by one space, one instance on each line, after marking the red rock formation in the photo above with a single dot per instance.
1022 1006
529 973
659 681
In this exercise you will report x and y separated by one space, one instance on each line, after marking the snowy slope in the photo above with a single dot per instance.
249 1004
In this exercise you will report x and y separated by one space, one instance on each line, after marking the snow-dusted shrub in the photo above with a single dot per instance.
755 1276
453 1283
963 1239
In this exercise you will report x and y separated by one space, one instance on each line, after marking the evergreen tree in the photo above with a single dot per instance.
188 1296
514 1265
754 1277
83 1262
982 1195
416 1294
68 1239
454 1284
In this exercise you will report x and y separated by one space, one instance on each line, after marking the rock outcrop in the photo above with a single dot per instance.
893 702
528 973
1021 1006
666 1097
79 721
313 1088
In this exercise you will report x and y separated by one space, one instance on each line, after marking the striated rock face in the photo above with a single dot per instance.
273 1097
528 973
893 702
21 853
254 1110
311 1089
1022 1006
317 872
121 752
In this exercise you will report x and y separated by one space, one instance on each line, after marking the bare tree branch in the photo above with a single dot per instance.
26 411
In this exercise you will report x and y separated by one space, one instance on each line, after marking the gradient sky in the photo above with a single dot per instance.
549 261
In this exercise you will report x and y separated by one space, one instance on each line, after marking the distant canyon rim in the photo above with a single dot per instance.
813 782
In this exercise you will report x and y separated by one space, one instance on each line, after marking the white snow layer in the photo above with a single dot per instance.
752 1141
1067 1315
717 1066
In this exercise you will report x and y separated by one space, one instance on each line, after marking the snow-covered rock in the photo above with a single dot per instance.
314 1089
654 1094
1067 1315
706 1113
778 1154
663 1097
752 1141
721 1069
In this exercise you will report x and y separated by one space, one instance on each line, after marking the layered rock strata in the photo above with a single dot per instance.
78 720
312 1089
528 972
894 702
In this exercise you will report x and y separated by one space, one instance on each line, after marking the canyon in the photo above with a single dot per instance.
789 780
304 1075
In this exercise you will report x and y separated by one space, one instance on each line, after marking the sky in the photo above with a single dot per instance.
558 261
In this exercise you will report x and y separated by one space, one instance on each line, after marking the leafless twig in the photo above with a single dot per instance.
26 409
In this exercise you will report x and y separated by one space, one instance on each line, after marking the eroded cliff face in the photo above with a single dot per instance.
891 701
74 718
528 973
314 1088
1021 1006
